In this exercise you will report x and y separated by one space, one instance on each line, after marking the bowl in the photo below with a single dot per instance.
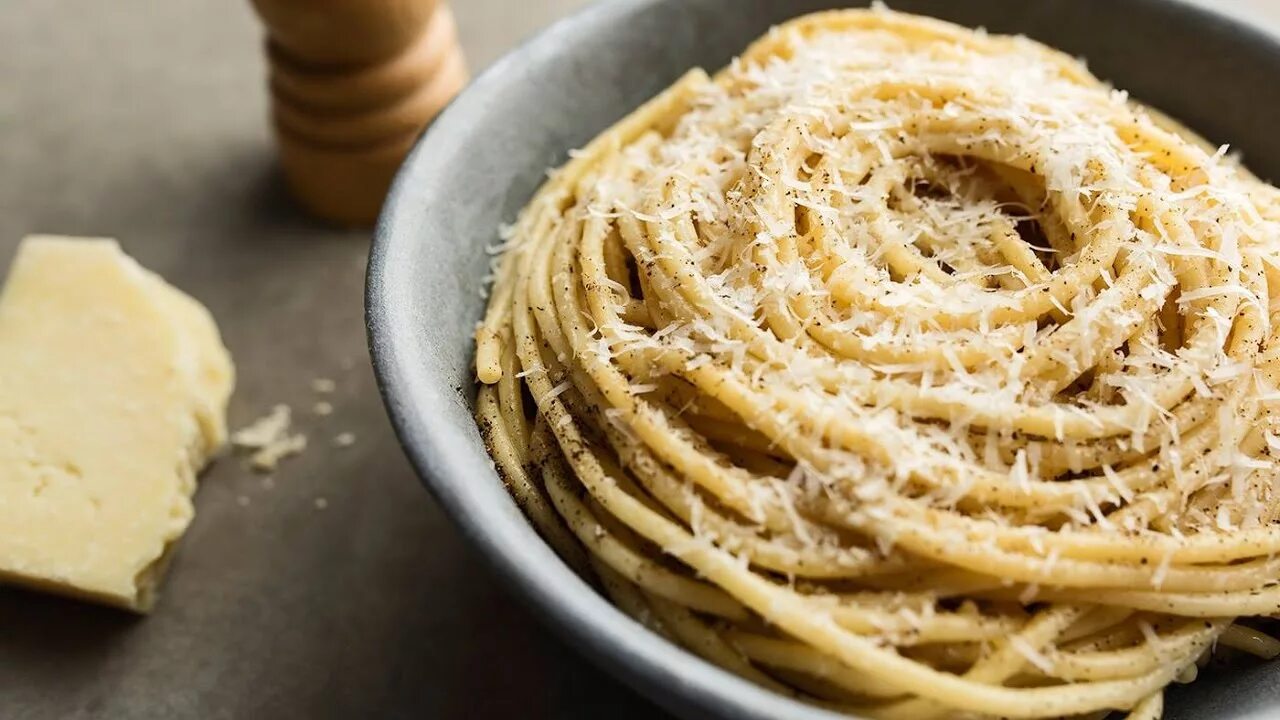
485 155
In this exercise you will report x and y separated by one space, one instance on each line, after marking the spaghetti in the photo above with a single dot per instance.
905 369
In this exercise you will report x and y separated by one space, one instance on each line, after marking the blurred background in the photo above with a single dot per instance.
340 591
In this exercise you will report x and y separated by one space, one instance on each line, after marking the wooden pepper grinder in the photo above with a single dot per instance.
353 82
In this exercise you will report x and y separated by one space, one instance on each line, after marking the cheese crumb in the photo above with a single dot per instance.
269 439
265 429
268 458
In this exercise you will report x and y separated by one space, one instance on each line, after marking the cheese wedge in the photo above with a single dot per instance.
113 393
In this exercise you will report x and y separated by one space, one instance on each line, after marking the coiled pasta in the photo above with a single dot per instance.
905 369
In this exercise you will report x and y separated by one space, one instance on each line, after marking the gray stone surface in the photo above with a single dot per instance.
146 121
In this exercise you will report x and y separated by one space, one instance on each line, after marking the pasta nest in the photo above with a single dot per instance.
903 368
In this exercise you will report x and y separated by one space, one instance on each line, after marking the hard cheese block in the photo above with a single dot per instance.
113 392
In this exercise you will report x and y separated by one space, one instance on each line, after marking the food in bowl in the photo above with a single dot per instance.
905 369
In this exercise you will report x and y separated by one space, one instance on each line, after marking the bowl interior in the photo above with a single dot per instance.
483 158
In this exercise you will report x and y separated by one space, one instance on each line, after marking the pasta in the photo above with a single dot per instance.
905 369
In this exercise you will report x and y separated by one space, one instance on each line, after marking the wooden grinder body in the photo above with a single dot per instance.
352 83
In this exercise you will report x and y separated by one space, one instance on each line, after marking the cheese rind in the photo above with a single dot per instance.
113 390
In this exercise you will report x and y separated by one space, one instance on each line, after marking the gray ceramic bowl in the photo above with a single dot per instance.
481 161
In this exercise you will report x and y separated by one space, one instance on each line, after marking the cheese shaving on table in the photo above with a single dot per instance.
892 308
269 439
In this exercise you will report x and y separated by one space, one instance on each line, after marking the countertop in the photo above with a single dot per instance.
336 589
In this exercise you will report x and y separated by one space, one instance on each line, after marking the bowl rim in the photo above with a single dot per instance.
661 671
